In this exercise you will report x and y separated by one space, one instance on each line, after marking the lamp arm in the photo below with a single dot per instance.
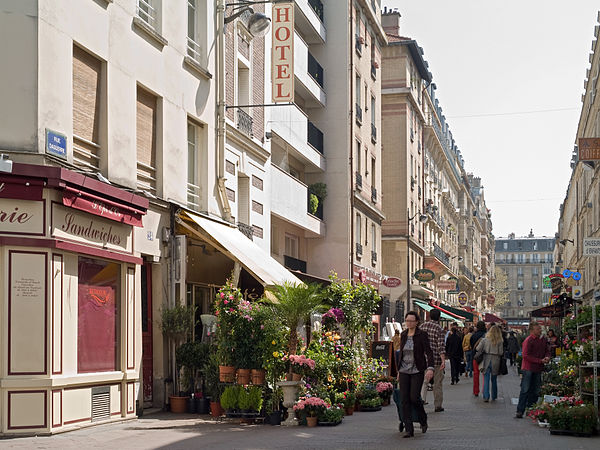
237 14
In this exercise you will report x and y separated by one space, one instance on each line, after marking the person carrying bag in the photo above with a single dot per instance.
490 352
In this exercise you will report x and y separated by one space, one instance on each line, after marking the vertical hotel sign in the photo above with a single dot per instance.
282 57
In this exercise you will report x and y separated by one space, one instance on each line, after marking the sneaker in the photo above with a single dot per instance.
519 415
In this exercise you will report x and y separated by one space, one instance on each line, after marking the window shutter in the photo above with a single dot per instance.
86 108
146 139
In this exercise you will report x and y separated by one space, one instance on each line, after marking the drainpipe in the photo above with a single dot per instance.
351 67
220 56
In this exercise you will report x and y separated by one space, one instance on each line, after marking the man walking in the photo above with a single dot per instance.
536 353
437 341
466 345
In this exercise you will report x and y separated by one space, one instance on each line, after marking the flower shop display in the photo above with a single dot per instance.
349 401
300 366
539 413
331 416
385 390
310 408
369 399
572 416
332 319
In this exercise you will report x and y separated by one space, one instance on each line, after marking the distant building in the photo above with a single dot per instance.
526 261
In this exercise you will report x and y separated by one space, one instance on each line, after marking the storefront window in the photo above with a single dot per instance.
98 316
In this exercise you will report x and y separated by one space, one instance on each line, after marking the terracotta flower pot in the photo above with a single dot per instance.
350 411
178 404
215 409
226 374
243 376
311 421
258 376
296 377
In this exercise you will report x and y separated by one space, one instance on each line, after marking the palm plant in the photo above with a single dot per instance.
293 304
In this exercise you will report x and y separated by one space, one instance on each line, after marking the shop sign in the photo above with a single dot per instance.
463 298
68 223
21 188
21 216
56 144
546 283
591 247
577 292
589 149
446 285
100 208
282 56
392 282
366 276
423 275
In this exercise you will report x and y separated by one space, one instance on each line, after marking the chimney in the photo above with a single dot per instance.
511 236
390 20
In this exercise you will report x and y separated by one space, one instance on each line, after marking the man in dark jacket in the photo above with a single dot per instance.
454 352
513 348
480 333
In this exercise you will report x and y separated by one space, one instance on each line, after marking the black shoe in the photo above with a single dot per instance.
452 382
424 428
456 381
409 434
401 427
519 415
439 409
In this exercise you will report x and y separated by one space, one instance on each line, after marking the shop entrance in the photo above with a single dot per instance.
201 297
147 367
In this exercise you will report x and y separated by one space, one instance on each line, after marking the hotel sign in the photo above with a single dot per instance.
68 223
589 149
282 57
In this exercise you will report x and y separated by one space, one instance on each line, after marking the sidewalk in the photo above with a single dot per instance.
466 423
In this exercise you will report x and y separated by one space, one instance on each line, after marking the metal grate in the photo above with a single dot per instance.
100 403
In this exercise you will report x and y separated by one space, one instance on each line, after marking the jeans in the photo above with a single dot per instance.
469 360
531 384
410 390
486 384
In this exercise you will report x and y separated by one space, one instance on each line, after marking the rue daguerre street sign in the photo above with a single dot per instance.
591 247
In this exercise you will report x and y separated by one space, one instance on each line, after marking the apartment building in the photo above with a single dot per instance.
580 209
526 262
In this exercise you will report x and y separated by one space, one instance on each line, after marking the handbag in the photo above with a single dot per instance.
503 367
479 357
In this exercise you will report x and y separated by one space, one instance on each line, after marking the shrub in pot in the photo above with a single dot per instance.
244 400
229 398
256 398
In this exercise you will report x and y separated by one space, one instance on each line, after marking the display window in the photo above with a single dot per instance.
98 316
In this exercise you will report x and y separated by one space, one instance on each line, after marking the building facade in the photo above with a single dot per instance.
526 261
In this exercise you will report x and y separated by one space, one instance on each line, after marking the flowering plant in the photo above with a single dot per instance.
539 412
570 413
311 406
384 389
301 364
332 318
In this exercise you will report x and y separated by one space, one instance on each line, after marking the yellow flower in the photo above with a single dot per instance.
273 342
275 354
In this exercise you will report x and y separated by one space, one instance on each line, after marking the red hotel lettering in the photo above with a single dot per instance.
15 216
287 14
282 48
90 232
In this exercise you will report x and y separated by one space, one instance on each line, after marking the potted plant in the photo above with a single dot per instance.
256 399
229 400
213 386
244 401
331 416
226 309
310 407
385 389
274 413
349 401
300 365
176 323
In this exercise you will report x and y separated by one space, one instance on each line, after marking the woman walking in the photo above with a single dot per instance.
414 361
513 348
475 339
454 352
492 348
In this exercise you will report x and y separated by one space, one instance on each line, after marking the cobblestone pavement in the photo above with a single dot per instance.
466 423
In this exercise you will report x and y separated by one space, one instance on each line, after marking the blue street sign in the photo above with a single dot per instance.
56 144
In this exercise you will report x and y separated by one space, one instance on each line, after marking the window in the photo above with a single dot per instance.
146 140
358 89
358 157
519 271
87 98
244 118
148 11
358 234
291 245
535 284
521 301
373 111
535 271
505 245
274 240
373 172
373 238
520 257
243 204
98 320
534 300
519 285
193 185
196 33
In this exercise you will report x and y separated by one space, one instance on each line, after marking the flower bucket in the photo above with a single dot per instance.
178 404
350 411
226 374
215 409
311 421
243 376
258 376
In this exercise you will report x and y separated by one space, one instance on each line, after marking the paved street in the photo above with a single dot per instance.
467 423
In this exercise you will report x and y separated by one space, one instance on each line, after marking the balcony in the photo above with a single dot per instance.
358 181
309 19
309 74
315 137
373 133
294 263
441 254
305 141
467 273
244 122
373 195
289 201
359 249
358 114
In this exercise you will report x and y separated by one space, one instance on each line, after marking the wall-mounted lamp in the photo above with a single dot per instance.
564 241
6 163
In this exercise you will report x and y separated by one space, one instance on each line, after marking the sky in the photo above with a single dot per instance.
497 65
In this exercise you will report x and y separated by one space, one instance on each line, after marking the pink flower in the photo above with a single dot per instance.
262 327
226 301
231 297
222 295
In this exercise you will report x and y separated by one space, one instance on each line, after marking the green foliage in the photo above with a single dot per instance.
256 398
177 321
371 402
192 355
331 415
319 190
244 400
313 203
577 418
230 397
584 316
211 374
349 399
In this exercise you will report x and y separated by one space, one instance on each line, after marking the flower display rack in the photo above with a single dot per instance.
588 370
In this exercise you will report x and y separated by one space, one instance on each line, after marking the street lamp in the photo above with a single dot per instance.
422 218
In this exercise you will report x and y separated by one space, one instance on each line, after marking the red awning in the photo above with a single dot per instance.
489 317
448 312
102 207
21 188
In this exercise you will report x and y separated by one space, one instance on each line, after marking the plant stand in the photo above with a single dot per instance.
290 392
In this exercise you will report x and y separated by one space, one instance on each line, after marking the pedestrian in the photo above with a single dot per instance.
513 348
536 353
479 334
552 342
415 363
466 345
396 340
491 346
454 352
436 339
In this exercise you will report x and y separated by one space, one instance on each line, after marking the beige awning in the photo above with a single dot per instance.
235 245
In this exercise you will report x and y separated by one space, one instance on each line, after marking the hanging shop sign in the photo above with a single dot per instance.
423 275
282 56
446 285
577 292
569 274
392 282
22 216
546 283
557 282
589 149
591 247
463 298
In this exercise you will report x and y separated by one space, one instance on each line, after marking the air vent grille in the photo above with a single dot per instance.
100 403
